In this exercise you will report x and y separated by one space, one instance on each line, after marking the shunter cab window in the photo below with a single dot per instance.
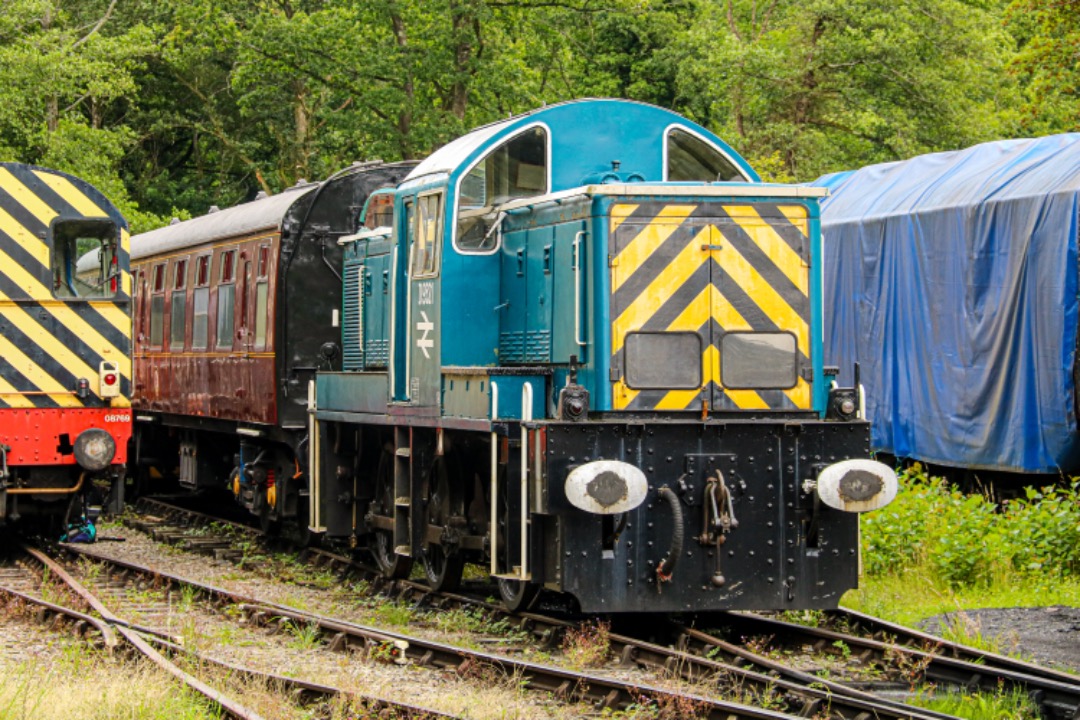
515 169
692 159
379 211
425 235
200 303
226 299
178 305
83 258
157 305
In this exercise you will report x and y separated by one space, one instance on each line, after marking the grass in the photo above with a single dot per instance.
914 594
90 687
936 551
1001 705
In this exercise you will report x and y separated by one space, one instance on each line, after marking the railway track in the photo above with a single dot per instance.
911 655
566 685
90 613
889 658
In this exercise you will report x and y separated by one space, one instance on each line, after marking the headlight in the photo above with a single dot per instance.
843 404
94 449
606 487
857 485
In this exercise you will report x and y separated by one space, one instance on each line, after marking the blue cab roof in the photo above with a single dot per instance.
623 131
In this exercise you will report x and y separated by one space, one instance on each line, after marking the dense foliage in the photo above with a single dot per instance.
173 105
968 539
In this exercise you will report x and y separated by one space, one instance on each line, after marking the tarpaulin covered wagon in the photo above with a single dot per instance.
951 279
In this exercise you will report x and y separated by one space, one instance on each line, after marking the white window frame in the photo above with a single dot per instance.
491 147
679 126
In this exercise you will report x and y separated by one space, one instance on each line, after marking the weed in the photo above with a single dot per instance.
82 685
807 618
843 648
588 644
188 593
999 705
972 539
304 637
395 614
463 619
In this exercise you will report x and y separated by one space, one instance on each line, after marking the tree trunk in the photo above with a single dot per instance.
404 120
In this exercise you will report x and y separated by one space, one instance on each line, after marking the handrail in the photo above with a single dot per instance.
493 528
526 416
577 287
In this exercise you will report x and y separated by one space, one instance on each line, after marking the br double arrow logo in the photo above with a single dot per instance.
424 342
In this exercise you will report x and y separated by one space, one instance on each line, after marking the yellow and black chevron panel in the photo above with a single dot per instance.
57 328
710 268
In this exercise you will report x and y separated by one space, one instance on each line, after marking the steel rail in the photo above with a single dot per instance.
812 695
1061 699
234 708
307 691
175 645
564 684
808 694
881 629
107 634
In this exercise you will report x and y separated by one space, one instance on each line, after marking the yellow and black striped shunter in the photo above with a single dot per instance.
65 345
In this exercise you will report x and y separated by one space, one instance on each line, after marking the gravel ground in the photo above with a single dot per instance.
23 641
1048 635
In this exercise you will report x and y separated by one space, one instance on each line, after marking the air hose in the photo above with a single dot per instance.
666 568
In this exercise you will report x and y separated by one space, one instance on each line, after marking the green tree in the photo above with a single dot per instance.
67 74
1048 63
830 85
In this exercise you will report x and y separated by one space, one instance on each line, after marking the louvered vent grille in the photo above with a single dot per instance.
352 317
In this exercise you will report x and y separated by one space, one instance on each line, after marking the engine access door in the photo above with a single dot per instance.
710 306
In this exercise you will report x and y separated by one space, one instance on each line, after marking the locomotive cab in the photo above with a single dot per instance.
65 331
604 375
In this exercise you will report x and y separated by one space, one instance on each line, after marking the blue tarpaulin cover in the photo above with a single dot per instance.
952 279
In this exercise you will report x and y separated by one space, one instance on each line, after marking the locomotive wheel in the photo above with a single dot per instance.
517 595
390 563
443 565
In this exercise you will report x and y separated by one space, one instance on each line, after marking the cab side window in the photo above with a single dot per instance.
425 235
516 169
689 159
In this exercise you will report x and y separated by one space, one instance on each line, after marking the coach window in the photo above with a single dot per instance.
226 300
139 286
178 305
83 258
262 295
200 303
690 158
518 168
157 305
425 235
245 303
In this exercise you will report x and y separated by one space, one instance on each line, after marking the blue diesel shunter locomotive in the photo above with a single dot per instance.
582 349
